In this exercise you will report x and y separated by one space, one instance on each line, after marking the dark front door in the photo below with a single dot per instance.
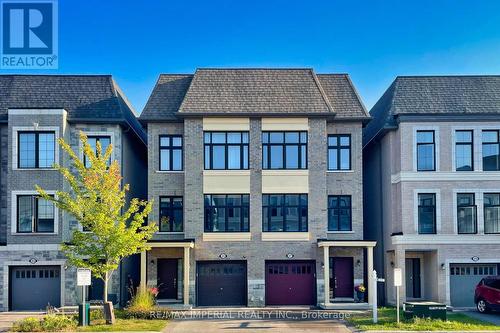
290 283
167 278
412 275
221 283
35 287
342 278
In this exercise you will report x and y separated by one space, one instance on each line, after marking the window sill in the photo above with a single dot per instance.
34 169
226 236
170 232
339 171
235 172
34 233
285 236
283 172
168 171
340 232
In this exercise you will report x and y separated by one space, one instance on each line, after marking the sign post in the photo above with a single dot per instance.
83 278
398 281
374 296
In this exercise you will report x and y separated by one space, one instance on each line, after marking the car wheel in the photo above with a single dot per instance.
482 306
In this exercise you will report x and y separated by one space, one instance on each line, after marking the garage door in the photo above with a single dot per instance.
35 287
221 283
290 283
463 281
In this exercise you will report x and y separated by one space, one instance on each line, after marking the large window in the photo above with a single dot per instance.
284 212
339 213
339 152
34 214
284 150
466 213
491 151
426 151
226 150
36 149
464 151
171 214
492 213
426 213
104 141
227 213
170 152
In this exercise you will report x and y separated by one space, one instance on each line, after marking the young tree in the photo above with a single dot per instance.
97 201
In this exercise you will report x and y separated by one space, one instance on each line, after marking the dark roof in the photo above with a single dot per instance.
434 95
253 91
93 98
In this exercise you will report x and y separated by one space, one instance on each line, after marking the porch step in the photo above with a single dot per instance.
345 306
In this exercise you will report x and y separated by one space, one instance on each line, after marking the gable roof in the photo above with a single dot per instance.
92 98
253 91
434 95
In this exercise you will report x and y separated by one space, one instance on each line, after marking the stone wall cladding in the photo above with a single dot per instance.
4 160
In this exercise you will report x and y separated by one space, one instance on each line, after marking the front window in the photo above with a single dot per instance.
226 150
491 151
284 212
104 141
466 213
34 214
339 152
426 152
171 214
492 213
427 213
227 213
339 213
284 150
464 151
36 149
170 152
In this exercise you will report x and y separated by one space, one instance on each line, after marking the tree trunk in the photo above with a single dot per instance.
108 306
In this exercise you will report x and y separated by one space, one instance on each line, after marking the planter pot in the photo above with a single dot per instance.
360 295
109 313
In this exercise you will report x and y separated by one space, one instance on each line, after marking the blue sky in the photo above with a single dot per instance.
373 41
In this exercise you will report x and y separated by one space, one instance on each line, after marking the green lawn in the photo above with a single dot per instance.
387 322
125 325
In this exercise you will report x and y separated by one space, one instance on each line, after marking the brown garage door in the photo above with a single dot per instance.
290 283
221 283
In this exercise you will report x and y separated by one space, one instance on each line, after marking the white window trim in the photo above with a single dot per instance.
478 201
436 146
13 215
111 135
476 148
437 192
16 129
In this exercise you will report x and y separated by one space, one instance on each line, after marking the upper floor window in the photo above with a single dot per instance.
36 149
170 152
104 141
339 213
284 150
426 213
226 150
171 214
34 214
492 213
464 151
466 213
227 213
491 151
339 152
284 212
426 151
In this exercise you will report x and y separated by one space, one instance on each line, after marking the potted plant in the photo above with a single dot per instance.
360 292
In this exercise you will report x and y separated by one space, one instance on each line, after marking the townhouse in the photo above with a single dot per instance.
432 189
36 110
256 177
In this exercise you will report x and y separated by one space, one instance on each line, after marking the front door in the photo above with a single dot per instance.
342 278
167 278
412 274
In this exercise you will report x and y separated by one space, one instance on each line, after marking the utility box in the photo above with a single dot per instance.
431 310
87 314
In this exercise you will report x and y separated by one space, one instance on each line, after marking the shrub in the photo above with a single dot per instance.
143 300
30 324
96 314
48 323
153 313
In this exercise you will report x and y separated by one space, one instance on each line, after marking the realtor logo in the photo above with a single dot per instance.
29 34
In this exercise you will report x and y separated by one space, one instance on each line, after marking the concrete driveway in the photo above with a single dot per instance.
493 318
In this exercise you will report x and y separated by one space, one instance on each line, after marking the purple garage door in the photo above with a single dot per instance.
290 283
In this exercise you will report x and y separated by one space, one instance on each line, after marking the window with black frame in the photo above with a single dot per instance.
34 214
284 212
426 213
36 149
491 150
226 150
339 213
466 213
464 151
171 214
171 152
227 212
284 150
104 141
426 151
339 152
491 213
